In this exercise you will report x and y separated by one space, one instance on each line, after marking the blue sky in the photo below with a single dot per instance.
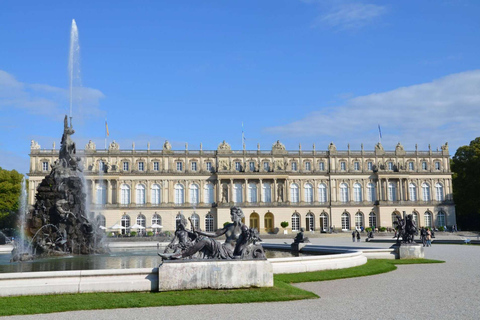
192 71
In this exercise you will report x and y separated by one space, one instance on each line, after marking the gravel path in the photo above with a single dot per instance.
434 291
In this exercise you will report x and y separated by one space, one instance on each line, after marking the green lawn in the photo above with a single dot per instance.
282 291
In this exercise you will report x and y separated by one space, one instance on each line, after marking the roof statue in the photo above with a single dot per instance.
90 146
34 145
113 146
167 146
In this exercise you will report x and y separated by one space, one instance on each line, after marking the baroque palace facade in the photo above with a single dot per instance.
318 190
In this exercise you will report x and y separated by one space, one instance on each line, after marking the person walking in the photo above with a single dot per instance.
353 235
423 236
429 238
358 236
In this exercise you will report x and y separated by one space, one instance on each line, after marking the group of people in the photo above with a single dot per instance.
426 236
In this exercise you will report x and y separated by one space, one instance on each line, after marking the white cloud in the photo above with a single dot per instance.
350 15
446 109
46 100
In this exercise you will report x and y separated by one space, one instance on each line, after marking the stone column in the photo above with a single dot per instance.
201 193
93 194
148 192
260 191
109 192
218 190
400 189
119 196
245 191
275 196
301 192
230 192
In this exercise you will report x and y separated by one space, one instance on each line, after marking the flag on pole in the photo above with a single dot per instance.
379 132
106 128
243 138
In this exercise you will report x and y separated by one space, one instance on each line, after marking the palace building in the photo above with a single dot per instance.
318 190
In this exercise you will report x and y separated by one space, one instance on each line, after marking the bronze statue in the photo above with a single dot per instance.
406 229
240 242
300 237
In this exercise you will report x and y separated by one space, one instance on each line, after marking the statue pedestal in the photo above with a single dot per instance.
409 251
214 274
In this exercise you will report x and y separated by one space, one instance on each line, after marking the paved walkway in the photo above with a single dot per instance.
434 291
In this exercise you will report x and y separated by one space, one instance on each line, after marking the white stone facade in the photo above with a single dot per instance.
317 190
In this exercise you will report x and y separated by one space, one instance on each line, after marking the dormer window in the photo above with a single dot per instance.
370 165
141 166
308 166
437 165
238 166
156 166
179 166
208 166
266 166
343 166
356 166
194 166
252 166
125 166
294 166
411 166
424 165
390 166
45 165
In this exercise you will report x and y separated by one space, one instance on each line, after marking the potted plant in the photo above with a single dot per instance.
284 224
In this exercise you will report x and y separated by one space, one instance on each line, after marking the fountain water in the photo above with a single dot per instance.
74 64
21 245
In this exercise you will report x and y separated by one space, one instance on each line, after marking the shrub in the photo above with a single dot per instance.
441 228
368 229
149 234
284 224
111 234
382 229
133 234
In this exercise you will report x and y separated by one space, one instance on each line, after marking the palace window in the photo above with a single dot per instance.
411 166
308 166
372 219
358 220
252 166
426 191
424 165
370 165
209 223
141 221
343 192
101 166
322 193
193 193
125 166
208 166
208 193
267 192
45 165
124 194
125 223
343 166
439 192
156 166
441 219
195 221
101 194
345 221
392 192
321 166
357 192
252 193
238 166
428 219
371 193
266 166
294 193
415 217
237 193
310 221
295 222
140 194
324 221
141 166
308 189
390 166
437 165
155 194
412 192
356 166
194 166
294 166
156 220
179 166
179 198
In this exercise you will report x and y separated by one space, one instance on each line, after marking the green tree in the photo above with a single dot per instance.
466 185
10 188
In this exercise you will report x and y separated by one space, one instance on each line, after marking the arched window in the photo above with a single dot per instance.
101 193
357 192
140 194
324 221
254 220
358 220
439 192
156 190
308 193
125 223
441 219
412 192
372 220
310 221
209 223
179 195
252 192
208 193
343 192
345 221
178 220
124 194
269 222
156 221
371 192
237 193
141 221
195 221
392 192
322 193
294 193
295 221
193 193
267 192
428 219
101 222
426 191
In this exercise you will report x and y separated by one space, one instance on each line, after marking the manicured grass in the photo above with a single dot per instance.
90 301
282 291
374 266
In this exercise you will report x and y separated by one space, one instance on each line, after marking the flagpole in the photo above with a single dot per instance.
106 129
243 138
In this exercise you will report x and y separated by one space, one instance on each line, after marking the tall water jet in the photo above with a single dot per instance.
21 244
74 64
